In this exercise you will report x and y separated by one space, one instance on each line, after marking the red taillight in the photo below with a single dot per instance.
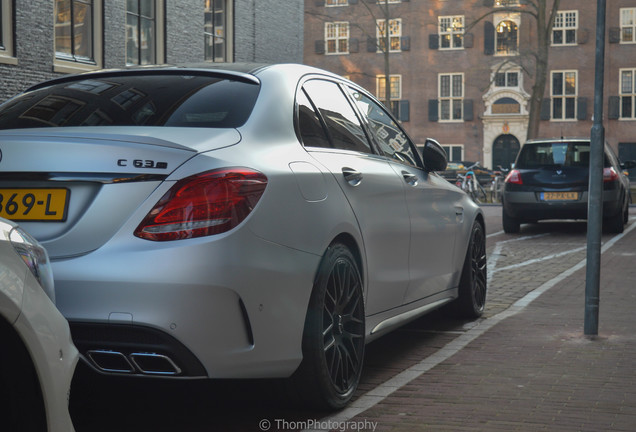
609 174
514 176
204 204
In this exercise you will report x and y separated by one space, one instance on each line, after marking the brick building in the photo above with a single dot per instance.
467 82
40 39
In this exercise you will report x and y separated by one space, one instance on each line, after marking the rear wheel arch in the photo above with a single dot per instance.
350 242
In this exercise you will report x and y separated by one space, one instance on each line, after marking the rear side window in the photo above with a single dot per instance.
134 100
311 129
343 125
550 154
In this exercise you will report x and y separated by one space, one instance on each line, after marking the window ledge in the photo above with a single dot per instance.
7 59
73 67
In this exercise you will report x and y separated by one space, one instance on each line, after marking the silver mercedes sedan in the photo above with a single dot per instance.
236 221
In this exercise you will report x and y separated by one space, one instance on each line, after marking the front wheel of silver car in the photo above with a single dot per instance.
333 341
473 283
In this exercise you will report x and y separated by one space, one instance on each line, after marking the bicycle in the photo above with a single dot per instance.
497 185
469 184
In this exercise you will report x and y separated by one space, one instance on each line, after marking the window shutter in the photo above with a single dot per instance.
433 110
489 3
614 35
320 3
433 41
404 111
469 40
405 43
468 110
583 35
372 45
614 107
354 45
405 1
581 108
545 109
353 2
489 38
320 47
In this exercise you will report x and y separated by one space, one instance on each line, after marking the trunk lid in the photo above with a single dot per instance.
73 188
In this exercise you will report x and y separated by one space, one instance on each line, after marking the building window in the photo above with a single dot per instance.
336 2
74 30
6 32
451 97
217 30
144 32
507 38
628 25
78 30
451 32
337 38
628 94
395 33
564 28
564 92
395 81
507 79
455 152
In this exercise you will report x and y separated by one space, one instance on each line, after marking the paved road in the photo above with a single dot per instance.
518 264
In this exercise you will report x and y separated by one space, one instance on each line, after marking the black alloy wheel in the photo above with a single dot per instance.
333 342
473 284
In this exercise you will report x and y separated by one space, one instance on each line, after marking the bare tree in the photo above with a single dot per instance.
380 15
543 14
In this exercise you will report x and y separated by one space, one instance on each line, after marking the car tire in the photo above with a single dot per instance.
333 339
473 283
615 224
510 224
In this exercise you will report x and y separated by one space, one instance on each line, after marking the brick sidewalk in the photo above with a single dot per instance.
535 370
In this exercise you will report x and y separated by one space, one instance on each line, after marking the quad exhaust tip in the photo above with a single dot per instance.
134 363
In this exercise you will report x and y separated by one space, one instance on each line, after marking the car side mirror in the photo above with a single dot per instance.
434 156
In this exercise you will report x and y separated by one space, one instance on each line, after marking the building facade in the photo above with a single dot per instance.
41 39
462 71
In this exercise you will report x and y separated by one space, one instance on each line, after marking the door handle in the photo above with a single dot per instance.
410 178
353 177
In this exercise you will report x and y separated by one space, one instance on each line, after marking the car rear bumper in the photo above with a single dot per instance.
193 308
528 206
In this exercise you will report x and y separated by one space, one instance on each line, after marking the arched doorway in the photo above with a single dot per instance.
504 151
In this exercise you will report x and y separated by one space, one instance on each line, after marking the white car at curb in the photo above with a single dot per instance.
37 356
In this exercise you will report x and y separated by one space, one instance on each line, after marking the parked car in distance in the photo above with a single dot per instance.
484 175
37 358
550 181
236 221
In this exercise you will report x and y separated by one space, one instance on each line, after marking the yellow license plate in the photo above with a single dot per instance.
560 196
34 204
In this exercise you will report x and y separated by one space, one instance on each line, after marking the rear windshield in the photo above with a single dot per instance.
138 100
536 155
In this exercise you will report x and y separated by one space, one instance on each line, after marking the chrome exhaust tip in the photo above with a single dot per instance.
110 361
154 364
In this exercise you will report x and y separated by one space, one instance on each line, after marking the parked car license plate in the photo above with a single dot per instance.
34 204
559 196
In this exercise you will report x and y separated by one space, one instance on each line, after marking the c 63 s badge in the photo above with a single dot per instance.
142 163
